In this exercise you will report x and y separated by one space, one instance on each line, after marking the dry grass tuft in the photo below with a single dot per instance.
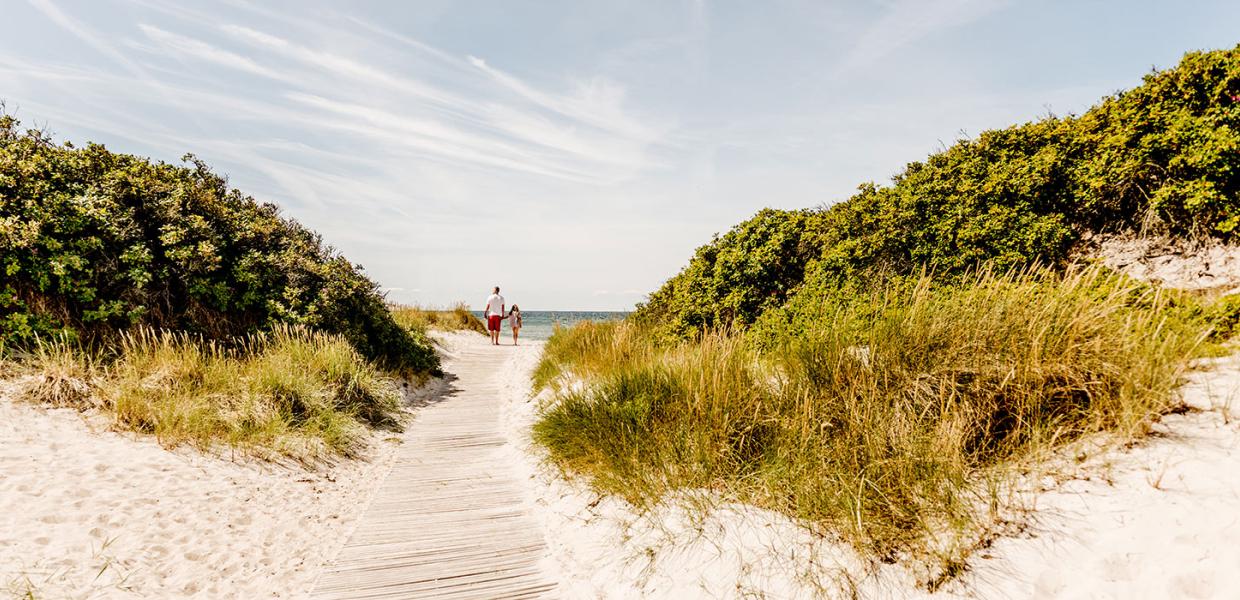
894 422
289 393
58 373
457 318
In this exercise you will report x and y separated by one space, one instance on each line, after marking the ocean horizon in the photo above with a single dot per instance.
539 324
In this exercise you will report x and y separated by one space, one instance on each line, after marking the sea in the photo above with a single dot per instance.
538 324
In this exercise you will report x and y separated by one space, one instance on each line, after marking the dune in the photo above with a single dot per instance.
1159 519
90 512
86 512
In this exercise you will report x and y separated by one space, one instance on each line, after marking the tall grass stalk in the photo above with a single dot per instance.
290 392
892 420
420 319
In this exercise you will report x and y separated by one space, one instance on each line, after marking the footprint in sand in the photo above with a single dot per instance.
1192 585
1049 584
1117 567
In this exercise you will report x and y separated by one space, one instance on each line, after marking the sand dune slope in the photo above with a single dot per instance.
90 513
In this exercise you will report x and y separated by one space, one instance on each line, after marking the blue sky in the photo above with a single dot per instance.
574 152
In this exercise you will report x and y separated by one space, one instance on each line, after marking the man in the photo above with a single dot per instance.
494 314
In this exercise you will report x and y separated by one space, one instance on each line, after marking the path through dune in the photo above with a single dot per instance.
452 520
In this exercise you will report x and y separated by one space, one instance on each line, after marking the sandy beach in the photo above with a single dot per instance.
93 513
1156 520
86 512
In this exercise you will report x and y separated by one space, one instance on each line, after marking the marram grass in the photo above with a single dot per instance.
457 318
888 421
291 393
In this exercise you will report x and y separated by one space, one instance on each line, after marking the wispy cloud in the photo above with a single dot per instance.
595 102
906 22
201 50
88 35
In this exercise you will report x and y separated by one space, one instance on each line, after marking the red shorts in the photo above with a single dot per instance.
493 322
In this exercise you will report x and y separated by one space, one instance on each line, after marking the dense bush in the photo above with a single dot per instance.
93 242
878 367
736 277
1164 156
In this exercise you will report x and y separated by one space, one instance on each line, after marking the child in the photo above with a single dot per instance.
514 319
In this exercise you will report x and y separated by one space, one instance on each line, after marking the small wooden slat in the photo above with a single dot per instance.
450 520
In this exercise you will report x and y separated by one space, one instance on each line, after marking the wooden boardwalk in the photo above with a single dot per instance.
450 521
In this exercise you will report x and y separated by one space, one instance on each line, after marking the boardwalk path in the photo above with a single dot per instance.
450 521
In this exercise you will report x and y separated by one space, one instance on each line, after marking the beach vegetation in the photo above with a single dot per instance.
421 319
886 368
94 243
286 393
884 424
1163 157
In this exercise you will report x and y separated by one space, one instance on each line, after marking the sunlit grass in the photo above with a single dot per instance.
457 318
891 421
291 393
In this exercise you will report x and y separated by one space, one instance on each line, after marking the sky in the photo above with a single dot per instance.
574 152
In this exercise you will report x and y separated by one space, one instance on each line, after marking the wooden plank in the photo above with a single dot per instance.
450 520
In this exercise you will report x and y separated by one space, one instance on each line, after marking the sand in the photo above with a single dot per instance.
1161 520
90 513
1158 520
1205 265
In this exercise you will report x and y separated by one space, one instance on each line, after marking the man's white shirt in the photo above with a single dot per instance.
495 305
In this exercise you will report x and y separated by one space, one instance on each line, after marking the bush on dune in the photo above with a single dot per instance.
94 242
880 424
1164 157
879 367
732 280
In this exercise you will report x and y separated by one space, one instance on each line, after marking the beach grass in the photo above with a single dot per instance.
290 393
894 421
457 318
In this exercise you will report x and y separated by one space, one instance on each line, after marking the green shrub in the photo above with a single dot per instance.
93 242
1224 316
1164 156
732 280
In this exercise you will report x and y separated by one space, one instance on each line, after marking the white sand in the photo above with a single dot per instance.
599 548
1159 520
1207 265
90 513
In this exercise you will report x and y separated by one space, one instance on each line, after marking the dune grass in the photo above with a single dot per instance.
893 423
289 393
457 318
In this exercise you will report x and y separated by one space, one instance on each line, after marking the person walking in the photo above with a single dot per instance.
514 320
494 314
